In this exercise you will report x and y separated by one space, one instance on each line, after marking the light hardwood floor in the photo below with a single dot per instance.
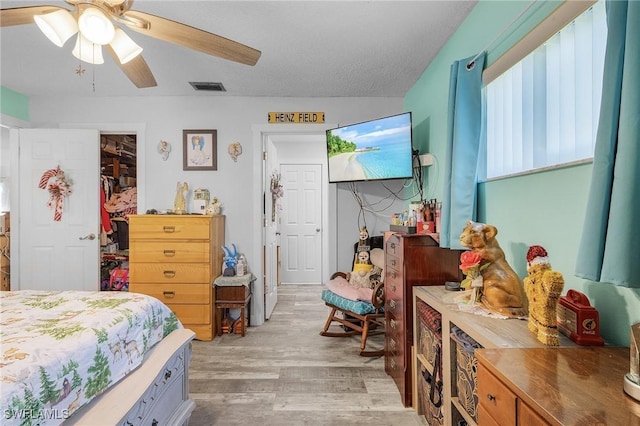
283 373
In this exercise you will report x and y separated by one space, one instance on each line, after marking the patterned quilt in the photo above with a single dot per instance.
60 349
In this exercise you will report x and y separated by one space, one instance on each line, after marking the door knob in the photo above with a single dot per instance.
88 237
317 229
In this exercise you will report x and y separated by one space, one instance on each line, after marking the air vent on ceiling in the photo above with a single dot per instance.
209 86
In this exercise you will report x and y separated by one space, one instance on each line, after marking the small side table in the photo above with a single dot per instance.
233 292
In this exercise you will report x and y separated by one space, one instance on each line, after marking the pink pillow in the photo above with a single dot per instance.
342 288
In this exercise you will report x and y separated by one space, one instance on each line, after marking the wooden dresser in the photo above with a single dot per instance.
460 391
554 386
175 258
410 260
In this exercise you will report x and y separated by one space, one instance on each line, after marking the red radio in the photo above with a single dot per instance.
578 320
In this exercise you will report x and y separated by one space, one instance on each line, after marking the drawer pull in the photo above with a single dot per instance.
393 274
392 304
169 294
393 324
167 374
491 397
169 253
169 274
169 229
393 288
393 262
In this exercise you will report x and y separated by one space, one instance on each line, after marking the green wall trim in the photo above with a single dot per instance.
14 104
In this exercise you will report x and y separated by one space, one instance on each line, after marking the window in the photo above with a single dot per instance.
544 110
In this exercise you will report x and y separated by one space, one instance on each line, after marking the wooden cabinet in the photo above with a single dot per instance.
410 260
576 385
175 258
502 401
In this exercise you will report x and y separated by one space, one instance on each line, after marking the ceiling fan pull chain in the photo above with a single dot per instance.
93 68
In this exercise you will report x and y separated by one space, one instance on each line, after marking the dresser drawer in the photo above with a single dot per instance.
175 273
393 343
496 399
394 246
169 227
393 286
526 416
484 419
393 262
394 303
171 398
236 293
169 251
176 293
395 325
394 366
192 314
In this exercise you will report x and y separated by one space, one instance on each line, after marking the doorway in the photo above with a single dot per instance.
301 227
118 198
310 141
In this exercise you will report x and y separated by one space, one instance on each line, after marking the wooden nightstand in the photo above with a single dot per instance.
233 293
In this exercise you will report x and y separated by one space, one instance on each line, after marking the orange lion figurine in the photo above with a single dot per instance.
502 290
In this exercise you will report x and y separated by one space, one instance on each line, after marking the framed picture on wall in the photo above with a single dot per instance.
199 151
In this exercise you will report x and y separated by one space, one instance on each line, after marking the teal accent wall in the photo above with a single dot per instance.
545 208
14 104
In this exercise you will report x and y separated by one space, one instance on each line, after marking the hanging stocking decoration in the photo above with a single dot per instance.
59 186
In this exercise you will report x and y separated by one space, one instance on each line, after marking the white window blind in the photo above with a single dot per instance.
544 110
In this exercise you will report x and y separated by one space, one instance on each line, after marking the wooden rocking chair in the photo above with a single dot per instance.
357 317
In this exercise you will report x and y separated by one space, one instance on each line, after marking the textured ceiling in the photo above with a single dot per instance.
309 49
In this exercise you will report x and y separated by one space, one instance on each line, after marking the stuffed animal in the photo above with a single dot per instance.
362 266
502 290
367 276
230 261
362 251
543 287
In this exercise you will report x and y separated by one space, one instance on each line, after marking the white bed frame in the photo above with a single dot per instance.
155 394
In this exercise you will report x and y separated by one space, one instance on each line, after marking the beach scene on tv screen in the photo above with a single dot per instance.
378 149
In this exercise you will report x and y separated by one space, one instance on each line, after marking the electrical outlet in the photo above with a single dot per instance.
425 160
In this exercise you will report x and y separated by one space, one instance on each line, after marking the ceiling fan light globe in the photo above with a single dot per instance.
58 26
126 49
87 51
95 26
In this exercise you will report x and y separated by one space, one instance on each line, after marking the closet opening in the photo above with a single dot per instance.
118 199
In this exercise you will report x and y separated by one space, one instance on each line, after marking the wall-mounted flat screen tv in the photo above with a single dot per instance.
378 149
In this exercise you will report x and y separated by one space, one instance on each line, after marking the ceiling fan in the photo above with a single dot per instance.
93 22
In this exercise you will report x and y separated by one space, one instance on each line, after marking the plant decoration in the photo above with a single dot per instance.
471 265
59 186
277 192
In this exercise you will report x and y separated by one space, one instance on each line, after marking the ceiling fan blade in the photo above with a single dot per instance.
136 70
191 37
23 15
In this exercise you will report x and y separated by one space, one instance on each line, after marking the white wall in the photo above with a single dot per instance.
233 183
6 122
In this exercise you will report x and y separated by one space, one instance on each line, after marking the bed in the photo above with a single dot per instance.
86 358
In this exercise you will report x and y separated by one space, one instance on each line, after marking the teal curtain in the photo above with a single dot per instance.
463 145
608 249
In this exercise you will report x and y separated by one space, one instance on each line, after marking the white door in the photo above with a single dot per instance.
59 254
301 223
271 234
